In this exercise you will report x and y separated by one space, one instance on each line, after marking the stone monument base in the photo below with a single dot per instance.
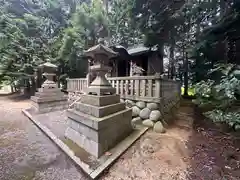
98 135
49 100
54 125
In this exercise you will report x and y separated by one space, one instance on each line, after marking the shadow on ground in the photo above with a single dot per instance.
193 148
215 154
15 97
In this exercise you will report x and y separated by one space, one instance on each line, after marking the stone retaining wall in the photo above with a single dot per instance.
152 114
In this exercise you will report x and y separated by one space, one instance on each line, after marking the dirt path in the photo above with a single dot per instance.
188 151
25 152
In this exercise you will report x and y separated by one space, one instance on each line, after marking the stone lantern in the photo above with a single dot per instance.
99 121
101 55
49 97
49 70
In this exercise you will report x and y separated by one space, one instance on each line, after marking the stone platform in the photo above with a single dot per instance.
54 124
47 100
97 136
98 123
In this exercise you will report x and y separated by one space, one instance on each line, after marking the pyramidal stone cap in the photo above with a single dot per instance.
48 64
100 49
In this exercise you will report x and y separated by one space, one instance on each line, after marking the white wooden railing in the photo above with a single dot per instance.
146 88
141 88
76 85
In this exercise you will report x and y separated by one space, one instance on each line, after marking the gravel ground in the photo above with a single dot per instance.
25 152
188 151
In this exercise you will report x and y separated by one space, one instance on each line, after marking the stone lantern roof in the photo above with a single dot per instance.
100 49
48 65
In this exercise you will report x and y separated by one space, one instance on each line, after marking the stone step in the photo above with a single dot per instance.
49 94
49 90
48 99
99 111
100 100
100 123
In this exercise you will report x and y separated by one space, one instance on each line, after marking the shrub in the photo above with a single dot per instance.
221 95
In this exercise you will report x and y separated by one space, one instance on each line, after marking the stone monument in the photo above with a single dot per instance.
99 121
49 97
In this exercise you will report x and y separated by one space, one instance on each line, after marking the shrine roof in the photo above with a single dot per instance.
140 49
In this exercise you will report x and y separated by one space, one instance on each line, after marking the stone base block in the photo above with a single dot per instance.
53 98
98 135
100 100
49 94
49 106
99 111
40 90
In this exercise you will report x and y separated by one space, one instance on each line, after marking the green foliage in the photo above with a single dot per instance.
27 28
221 95
123 29
230 118
87 24
191 91
204 88
33 32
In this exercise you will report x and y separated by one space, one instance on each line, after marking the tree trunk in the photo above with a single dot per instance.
198 61
223 7
27 88
39 79
171 58
58 81
232 52
12 90
226 49
33 88
15 88
160 56
186 74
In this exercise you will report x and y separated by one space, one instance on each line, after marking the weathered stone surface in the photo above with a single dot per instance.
141 104
49 93
135 111
46 99
100 100
136 120
100 123
155 115
148 123
152 106
122 101
49 98
99 111
144 113
129 103
104 90
49 104
158 127
97 135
